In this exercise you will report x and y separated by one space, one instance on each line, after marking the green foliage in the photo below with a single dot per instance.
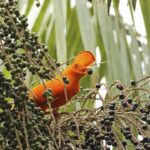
66 31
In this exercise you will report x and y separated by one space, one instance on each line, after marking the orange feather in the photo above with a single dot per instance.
74 72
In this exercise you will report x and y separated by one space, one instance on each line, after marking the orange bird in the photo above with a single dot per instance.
62 92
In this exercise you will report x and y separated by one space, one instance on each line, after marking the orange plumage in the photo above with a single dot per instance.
74 73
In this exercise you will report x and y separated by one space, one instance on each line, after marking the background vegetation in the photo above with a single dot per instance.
68 29
65 31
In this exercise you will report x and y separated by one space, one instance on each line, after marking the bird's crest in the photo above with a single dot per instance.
84 58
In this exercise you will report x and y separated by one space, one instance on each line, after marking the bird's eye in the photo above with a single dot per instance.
76 65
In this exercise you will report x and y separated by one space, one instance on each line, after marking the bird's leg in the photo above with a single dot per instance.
55 112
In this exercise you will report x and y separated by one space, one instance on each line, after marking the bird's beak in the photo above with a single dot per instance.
85 70
89 70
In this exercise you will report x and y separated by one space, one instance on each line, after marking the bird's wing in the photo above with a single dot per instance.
56 85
